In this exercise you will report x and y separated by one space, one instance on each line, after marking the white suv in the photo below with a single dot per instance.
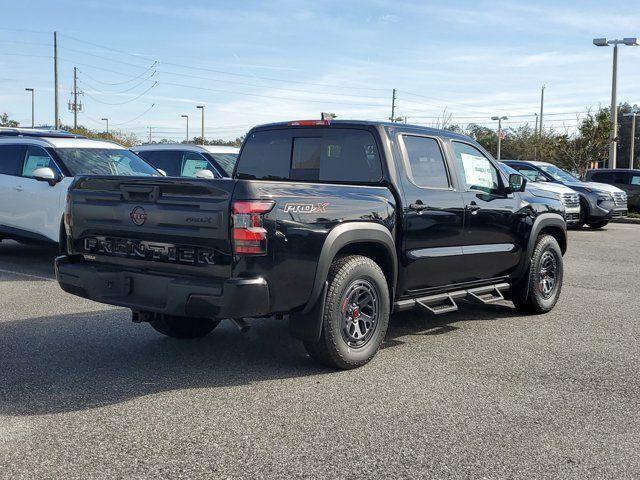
36 169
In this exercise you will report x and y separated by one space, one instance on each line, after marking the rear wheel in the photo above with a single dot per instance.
356 314
183 327
599 224
539 292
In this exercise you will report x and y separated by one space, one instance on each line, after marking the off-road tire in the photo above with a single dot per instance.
598 224
183 327
527 295
333 349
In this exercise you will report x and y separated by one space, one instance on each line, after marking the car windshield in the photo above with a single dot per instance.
104 161
508 170
226 160
557 173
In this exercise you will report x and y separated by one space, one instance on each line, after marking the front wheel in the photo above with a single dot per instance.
183 327
599 224
356 314
539 292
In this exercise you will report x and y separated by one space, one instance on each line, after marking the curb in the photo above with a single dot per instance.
635 221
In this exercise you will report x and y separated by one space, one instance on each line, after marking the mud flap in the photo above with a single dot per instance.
308 326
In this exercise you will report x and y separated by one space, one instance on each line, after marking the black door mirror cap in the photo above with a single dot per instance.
517 183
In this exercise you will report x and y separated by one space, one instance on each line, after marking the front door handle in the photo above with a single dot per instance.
418 207
19 188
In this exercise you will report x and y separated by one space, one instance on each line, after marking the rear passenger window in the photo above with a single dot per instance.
11 157
37 157
426 162
326 155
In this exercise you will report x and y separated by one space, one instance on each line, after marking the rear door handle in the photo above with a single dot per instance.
472 207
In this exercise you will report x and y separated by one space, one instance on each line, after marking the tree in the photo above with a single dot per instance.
5 121
123 138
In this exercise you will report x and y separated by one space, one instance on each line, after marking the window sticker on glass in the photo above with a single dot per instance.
477 171
192 166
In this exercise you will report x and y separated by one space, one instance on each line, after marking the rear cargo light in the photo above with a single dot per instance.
249 234
309 123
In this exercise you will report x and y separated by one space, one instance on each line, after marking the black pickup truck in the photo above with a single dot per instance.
335 224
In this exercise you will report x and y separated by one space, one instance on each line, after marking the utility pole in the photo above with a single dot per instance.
632 150
33 92
187 117
75 98
499 119
201 107
535 139
149 133
106 120
55 79
393 106
541 108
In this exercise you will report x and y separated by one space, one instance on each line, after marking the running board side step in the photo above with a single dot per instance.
446 302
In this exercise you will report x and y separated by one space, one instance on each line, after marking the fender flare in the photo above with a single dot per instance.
346 234
307 324
543 220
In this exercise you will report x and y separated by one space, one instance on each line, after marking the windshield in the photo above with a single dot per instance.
227 161
104 161
557 173
508 170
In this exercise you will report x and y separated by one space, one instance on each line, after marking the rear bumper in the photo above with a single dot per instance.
182 296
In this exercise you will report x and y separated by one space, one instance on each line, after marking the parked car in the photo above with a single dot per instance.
36 169
188 160
336 223
599 202
625 179
569 198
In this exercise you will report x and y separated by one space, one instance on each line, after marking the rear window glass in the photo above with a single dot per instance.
330 155
11 157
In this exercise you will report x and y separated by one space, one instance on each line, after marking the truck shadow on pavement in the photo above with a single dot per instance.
81 361
31 261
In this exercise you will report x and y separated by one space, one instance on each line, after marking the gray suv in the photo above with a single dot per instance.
599 202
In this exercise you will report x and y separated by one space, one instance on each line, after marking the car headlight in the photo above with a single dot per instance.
604 197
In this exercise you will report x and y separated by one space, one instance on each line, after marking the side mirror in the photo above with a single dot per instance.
517 183
46 174
206 174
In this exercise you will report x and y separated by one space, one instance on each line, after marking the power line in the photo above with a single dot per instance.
126 101
125 81
121 91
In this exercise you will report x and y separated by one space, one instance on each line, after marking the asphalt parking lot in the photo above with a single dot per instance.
481 393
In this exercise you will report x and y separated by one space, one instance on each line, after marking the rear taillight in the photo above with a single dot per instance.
249 234
67 216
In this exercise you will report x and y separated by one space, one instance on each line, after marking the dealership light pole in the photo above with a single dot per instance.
201 107
187 117
632 149
499 119
33 92
107 120
613 136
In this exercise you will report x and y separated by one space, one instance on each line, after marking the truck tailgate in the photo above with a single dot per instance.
174 225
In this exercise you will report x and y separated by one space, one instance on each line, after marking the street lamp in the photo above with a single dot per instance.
33 92
633 114
187 117
499 119
201 107
107 120
613 136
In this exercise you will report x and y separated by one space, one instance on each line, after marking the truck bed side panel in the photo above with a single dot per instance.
302 218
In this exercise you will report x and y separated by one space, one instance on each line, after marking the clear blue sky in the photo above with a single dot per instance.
252 62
